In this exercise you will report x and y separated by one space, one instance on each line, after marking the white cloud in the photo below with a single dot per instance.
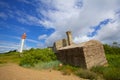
14 28
109 33
80 20
64 15
81 39
42 37
31 40
8 46
27 18
41 45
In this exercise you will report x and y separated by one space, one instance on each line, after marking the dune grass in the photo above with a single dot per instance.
12 57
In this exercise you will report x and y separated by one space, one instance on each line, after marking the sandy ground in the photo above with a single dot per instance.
15 72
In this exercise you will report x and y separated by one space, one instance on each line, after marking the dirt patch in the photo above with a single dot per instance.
15 72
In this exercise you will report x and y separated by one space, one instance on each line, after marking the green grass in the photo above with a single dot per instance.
46 59
113 60
87 74
112 71
47 65
9 58
35 56
67 69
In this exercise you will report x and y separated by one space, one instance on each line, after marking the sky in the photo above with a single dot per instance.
46 21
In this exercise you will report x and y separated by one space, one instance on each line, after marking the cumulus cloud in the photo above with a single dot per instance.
109 33
80 18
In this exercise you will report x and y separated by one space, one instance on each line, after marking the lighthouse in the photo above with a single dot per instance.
22 42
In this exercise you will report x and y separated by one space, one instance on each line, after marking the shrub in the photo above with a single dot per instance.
66 69
113 60
87 74
34 56
111 73
111 49
98 69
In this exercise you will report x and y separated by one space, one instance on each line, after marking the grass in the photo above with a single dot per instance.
47 65
87 74
44 65
113 60
9 58
110 72
67 69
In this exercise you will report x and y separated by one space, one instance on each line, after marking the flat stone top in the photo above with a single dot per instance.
91 42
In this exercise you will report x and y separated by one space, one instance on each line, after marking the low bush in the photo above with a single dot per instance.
66 69
98 69
111 73
34 56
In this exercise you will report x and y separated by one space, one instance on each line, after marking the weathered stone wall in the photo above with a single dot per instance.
72 56
85 55
69 37
94 54
59 44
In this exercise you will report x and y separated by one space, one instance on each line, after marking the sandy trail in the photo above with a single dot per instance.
15 72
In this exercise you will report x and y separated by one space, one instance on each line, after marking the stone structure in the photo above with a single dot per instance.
85 55
69 38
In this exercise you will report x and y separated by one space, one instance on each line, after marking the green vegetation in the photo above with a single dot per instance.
112 49
67 69
47 65
87 74
112 71
35 56
46 59
9 57
83 73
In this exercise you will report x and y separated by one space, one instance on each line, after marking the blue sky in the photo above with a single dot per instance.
46 21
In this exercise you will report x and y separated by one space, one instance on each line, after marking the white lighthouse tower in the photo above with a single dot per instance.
22 42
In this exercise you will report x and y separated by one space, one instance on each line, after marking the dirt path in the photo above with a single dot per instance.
15 72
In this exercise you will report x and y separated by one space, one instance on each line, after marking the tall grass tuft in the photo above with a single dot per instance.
87 74
67 69
47 65
111 73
